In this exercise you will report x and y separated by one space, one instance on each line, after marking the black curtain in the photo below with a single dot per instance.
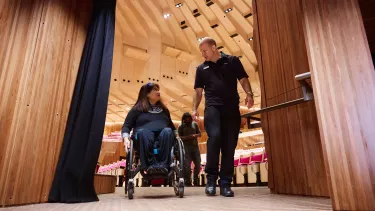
74 176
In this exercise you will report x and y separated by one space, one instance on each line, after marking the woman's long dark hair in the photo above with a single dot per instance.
143 104
186 115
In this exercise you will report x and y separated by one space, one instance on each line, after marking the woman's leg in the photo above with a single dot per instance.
187 164
146 141
166 139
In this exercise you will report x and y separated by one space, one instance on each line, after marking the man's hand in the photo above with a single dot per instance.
249 101
195 115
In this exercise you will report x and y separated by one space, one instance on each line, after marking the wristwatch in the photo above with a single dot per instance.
250 93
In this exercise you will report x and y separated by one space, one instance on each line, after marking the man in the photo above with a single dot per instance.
189 132
218 77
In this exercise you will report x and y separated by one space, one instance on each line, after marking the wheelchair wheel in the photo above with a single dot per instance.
179 183
131 189
129 183
181 188
181 152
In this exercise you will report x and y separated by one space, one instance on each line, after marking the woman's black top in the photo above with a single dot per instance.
154 120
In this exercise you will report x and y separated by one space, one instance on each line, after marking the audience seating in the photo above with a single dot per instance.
264 168
241 168
114 169
236 163
253 167
250 166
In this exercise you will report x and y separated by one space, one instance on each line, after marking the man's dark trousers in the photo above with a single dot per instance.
222 124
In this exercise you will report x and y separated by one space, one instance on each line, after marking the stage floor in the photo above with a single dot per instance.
163 198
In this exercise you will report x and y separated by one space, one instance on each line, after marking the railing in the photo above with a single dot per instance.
307 96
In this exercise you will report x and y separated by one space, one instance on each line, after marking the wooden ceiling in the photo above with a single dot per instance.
157 41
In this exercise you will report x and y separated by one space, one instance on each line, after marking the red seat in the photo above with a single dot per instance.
244 161
236 162
256 158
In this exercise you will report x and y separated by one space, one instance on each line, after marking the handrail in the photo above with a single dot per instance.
307 96
275 107
306 88
303 76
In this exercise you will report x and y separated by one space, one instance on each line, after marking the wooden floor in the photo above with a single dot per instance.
162 198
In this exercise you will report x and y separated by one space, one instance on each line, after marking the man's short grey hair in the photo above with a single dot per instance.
208 40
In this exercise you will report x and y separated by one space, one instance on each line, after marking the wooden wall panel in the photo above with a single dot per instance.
111 152
344 88
291 134
112 127
41 46
104 184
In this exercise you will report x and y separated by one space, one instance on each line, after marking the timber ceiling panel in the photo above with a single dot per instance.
157 41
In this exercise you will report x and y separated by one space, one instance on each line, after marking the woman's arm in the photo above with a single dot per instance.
171 125
129 122
197 130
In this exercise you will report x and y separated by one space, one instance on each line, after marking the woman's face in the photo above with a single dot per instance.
188 120
154 95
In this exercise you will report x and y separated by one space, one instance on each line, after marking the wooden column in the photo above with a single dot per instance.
292 141
343 77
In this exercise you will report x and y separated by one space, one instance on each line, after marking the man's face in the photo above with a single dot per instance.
207 51
187 120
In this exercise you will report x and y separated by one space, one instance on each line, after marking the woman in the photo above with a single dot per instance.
189 133
153 130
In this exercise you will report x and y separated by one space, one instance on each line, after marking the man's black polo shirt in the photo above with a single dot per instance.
219 80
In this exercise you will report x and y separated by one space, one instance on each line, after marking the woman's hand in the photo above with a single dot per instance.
126 143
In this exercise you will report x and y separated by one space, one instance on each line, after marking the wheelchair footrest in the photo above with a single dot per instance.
157 170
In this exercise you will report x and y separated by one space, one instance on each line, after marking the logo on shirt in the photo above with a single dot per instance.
206 67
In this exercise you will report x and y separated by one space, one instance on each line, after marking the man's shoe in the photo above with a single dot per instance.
226 191
211 187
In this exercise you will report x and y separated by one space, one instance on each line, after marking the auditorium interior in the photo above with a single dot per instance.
71 71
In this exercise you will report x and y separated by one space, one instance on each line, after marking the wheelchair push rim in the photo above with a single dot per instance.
178 177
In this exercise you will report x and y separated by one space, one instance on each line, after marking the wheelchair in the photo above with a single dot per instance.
175 175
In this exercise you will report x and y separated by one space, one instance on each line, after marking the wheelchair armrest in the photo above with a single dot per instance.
178 138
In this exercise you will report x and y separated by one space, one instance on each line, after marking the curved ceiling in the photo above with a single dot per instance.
157 40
